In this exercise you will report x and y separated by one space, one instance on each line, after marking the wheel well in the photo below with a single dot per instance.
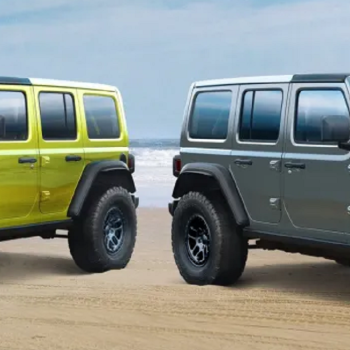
106 180
212 185
192 182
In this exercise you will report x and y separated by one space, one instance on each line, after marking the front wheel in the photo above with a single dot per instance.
105 237
207 246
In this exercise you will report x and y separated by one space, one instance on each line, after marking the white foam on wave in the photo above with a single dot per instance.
153 157
154 166
153 175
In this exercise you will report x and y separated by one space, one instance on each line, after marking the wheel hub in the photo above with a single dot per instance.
198 240
113 230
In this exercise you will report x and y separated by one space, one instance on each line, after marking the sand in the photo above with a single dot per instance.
283 301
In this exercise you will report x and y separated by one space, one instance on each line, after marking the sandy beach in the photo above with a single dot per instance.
283 301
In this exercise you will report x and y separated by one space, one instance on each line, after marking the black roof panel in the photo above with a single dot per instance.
320 78
15 81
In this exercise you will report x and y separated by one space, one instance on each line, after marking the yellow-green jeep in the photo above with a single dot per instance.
65 165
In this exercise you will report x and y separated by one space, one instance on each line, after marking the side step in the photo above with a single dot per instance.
331 253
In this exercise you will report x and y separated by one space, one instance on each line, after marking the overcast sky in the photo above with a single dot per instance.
152 49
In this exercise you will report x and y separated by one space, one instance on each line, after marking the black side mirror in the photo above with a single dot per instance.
336 129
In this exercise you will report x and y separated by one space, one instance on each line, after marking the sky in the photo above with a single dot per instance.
152 50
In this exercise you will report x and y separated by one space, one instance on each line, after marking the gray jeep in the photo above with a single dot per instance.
264 163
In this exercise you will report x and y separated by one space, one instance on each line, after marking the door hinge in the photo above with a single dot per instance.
45 160
45 195
275 165
275 203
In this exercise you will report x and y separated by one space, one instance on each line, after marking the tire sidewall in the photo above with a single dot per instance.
185 209
123 203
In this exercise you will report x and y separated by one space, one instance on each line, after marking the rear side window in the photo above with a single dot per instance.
261 115
312 107
57 116
13 116
210 115
101 117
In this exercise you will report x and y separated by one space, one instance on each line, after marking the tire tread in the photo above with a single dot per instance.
83 238
231 248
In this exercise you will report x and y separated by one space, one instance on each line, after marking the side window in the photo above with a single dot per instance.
57 114
210 115
101 117
312 106
13 116
261 115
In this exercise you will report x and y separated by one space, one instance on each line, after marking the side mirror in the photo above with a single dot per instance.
335 128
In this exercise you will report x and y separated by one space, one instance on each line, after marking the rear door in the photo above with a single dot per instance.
61 147
316 175
257 149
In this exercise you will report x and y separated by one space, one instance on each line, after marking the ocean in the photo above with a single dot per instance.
153 175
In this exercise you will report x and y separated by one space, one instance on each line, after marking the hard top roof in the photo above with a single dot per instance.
52 82
296 78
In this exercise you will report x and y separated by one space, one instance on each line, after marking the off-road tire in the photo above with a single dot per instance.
343 262
228 249
86 239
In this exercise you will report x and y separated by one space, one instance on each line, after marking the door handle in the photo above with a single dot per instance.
73 158
243 162
24 160
291 165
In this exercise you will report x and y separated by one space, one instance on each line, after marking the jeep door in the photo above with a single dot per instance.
316 175
257 150
61 147
18 155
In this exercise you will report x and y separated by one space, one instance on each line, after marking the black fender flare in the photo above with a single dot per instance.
224 181
90 173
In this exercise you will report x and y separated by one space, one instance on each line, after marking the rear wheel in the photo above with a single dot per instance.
104 238
207 246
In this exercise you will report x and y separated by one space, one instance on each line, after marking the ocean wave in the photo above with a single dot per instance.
152 157
153 175
154 143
